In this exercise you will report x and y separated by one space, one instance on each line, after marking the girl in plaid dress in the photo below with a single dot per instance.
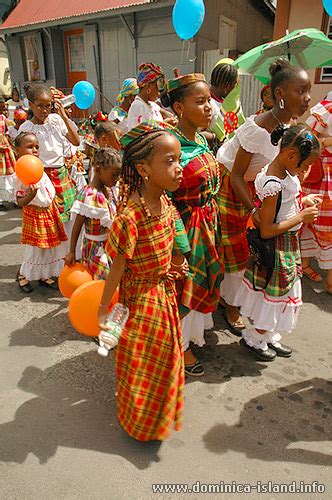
95 208
274 308
316 239
7 166
52 130
43 233
149 356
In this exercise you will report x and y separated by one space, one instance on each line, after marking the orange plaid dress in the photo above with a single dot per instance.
149 356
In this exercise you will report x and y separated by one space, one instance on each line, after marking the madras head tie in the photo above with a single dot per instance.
144 128
181 81
148 73
129 87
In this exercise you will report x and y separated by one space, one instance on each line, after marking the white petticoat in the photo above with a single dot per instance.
78 178
230 286
270 313
69 228
193 326
311 248
8 187
42 263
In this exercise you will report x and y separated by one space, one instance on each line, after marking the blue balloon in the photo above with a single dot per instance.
84 94
328 6
188 17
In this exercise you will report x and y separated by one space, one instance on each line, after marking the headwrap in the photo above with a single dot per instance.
267 86
181 81
56 93
142 129
129 87
148 73
20 114
97 117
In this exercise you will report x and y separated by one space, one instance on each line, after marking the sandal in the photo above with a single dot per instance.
49 283
311 274
23 283
194 370
235 327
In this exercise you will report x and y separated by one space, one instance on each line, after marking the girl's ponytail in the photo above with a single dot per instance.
277 134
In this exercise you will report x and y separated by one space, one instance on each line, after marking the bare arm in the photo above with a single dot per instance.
112 282
269 229
29 195
241 164
70 259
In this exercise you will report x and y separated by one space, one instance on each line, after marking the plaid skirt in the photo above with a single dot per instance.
65 190
287 266
96 259
234 218
42 226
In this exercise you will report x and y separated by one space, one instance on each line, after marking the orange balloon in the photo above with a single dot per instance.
72 277
29 169
84 307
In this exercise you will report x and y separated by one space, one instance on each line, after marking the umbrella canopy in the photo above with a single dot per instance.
308 48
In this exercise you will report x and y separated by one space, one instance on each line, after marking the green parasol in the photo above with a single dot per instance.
308 48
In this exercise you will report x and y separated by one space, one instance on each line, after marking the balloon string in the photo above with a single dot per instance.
182 52
188 53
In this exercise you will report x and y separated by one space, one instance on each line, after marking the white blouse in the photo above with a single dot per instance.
140 112
45 193
253 139
52 139
290 188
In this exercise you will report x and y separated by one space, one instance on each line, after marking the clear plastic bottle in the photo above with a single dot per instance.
68 100
115 322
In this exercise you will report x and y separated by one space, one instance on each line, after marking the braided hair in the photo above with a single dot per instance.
224 74
298 136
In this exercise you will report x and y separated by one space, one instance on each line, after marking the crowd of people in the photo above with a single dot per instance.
176 178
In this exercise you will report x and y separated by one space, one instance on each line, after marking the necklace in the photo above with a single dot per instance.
205 164
147 208
181 134
276 118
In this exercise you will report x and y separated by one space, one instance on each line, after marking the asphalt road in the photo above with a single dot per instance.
245 422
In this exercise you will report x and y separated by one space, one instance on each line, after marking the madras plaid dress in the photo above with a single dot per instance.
234 218
200 216
65 190
149 356
96 208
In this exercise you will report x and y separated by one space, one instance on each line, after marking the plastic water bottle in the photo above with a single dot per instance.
68 100
115 322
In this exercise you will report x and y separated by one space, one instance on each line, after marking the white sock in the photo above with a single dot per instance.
255 339
273 338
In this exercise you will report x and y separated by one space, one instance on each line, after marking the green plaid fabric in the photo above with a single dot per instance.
181 81
143 128
148 73
65 190
287 267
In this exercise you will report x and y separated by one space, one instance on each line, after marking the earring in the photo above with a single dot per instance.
281 104
146 178
180 116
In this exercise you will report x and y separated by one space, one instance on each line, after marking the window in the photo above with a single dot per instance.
34 57
324 75
76 52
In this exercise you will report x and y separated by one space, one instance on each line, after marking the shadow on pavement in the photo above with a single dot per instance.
271 423
65 414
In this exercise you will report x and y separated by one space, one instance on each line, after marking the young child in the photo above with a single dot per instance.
275 309
52 131
150 81
108 135
95 208
149 356
7 166
42 228
266 98
119 113
20 116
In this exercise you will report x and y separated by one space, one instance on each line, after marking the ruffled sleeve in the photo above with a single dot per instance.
94 205
255 139
122 238
271 187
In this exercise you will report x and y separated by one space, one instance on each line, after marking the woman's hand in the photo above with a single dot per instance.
172 120
179 267
60 109
311 200
102 314
309 214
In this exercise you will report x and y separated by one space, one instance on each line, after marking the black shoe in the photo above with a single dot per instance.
283 351
267 355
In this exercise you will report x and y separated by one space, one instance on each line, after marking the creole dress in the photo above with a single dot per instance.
149 356
234 215
277 307
7 166
99 212
43 233
316 237
195 202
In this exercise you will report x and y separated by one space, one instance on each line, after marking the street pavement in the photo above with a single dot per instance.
245 422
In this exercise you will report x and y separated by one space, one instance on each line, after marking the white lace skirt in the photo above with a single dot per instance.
8 187
230 285
193 326
42 263
270 313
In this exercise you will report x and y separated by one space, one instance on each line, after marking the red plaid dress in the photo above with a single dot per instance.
7 165
149 356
